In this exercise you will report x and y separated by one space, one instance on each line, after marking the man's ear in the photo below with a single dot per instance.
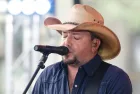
95 44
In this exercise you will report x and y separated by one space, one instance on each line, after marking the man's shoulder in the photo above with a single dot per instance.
114 72
113 69
52 69
51 72
55 66
117 81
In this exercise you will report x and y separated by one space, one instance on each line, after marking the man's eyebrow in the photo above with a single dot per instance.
76 32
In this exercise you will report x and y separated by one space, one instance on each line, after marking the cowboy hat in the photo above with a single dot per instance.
87 18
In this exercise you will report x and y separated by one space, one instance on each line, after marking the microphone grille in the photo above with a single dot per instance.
35 47
65 50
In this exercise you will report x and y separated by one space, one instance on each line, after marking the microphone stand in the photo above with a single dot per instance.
40 66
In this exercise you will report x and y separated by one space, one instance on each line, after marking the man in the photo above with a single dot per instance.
89 43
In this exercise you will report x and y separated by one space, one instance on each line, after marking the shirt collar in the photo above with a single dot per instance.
91 66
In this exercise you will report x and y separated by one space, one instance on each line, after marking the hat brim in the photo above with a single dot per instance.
110 46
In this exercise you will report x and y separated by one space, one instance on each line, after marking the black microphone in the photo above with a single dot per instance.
61 50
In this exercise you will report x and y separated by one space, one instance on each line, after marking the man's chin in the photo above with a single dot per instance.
68 61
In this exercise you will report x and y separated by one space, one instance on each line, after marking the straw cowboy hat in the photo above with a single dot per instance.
89 19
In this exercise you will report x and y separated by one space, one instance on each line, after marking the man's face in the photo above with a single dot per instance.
80 47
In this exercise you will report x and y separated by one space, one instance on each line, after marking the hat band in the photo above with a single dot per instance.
74 23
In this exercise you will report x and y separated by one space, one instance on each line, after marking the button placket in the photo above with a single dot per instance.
75 86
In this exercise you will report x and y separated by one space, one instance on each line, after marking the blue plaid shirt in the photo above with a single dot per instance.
53 80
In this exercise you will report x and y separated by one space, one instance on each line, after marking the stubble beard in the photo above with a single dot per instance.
71 61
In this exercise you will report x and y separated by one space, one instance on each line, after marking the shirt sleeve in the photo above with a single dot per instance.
120 84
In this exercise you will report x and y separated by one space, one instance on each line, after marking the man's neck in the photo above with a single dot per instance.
72 71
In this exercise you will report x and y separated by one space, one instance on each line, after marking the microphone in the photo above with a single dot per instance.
61 50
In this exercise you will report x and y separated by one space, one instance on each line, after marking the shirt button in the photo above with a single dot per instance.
76 85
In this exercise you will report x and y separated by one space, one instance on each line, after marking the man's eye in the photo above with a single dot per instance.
77 37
